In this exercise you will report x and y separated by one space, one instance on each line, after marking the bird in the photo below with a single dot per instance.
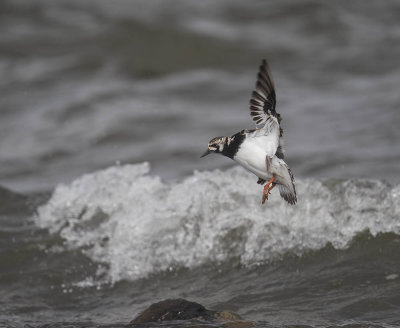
260 150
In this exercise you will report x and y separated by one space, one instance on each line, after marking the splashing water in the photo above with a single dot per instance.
137 225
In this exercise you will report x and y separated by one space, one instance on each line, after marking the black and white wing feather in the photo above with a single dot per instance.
263 98
263 103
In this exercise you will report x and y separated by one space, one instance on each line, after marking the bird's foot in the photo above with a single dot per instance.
267 192
265 195
267 189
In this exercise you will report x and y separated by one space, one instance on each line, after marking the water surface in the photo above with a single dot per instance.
105 206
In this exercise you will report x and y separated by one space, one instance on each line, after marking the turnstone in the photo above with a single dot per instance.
260 151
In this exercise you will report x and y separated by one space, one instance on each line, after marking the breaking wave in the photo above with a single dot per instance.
137 225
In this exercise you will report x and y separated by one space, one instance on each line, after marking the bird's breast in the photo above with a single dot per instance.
253 158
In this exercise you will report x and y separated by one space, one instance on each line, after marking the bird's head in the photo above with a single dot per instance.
215 145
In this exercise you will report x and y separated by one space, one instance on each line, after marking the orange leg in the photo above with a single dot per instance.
271 187
267 189
267 192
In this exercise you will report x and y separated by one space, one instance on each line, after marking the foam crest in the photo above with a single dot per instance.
137 225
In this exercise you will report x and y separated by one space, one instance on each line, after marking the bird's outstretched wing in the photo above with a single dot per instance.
262 106
263 98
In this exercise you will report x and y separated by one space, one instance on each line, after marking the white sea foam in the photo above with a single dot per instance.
136 224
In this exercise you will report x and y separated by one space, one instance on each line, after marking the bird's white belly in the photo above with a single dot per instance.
253 158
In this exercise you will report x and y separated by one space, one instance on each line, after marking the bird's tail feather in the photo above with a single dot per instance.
288 194
288 191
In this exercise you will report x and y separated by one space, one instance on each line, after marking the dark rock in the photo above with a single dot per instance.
173 309
181 309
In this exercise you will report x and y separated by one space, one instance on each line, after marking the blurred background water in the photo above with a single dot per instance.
86 85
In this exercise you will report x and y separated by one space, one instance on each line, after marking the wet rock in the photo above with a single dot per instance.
181 309
226 316
173 309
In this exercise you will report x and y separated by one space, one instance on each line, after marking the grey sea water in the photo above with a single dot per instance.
106 207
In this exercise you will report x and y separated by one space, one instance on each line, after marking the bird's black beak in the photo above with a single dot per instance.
208 151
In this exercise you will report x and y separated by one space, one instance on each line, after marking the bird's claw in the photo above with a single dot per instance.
267 189
265 196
